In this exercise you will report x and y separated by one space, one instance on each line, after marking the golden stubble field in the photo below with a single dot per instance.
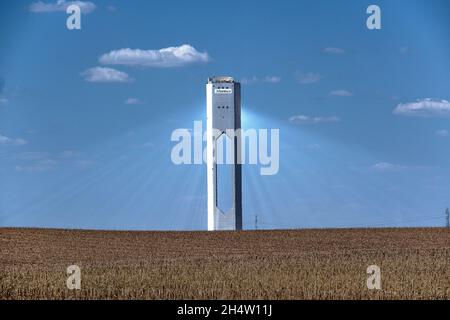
297 264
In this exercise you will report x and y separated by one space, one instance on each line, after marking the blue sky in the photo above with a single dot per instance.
363 114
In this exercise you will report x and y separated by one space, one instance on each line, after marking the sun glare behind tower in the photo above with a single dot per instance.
223 112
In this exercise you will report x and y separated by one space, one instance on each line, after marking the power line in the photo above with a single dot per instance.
391 223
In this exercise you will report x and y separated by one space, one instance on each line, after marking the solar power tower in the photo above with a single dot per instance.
223 111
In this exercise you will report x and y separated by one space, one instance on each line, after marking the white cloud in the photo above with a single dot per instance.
148 144
271 79
301 119
266 79
389 167
33 161
442 133
251 80
61 6
334 50
341 93
101 74
84 163
133 101
5 141
424 108
386 167
163 58
38 166
29 156
68 154
308 78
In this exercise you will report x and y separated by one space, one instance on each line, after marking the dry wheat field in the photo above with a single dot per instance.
297 264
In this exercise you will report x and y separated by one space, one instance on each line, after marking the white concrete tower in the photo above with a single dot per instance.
223 111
